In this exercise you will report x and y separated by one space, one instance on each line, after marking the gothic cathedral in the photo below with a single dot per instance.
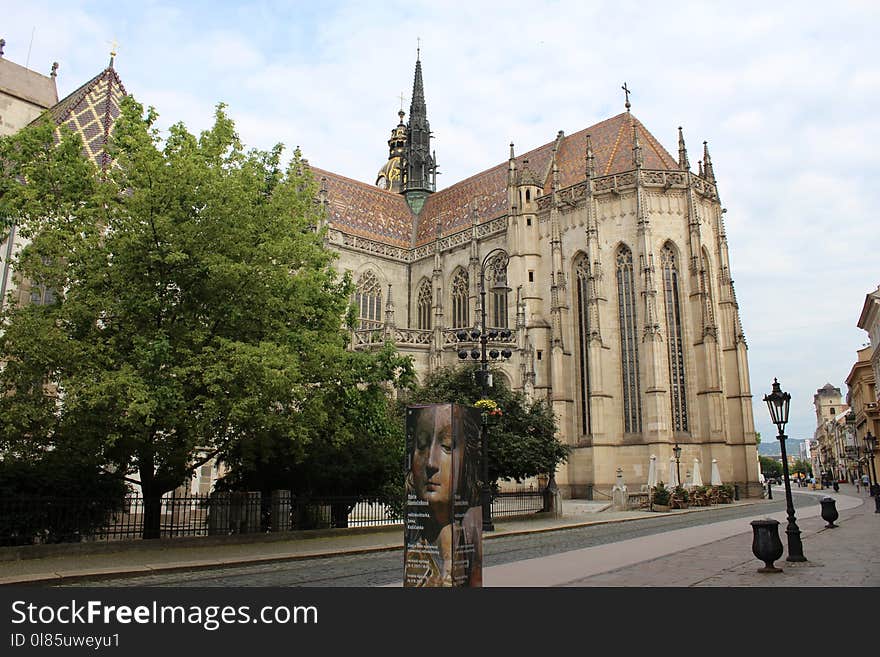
604 258
618 295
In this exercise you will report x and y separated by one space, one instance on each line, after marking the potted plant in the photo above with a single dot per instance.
680 498
700 496
660 497
722 494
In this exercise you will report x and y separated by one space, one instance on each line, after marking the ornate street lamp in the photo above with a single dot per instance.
497 259
778 403
677 451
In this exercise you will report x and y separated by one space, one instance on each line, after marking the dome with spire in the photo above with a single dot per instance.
390 175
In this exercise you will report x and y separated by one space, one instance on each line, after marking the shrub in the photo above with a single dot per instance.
660 494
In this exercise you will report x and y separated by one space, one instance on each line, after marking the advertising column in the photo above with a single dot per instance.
443 517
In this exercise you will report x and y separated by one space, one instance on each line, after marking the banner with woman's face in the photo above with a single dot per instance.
443 520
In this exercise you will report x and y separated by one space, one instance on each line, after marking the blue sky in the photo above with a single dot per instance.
786 94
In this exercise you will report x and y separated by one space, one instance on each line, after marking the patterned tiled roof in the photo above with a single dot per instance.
612 149
91 111
366 210
361 209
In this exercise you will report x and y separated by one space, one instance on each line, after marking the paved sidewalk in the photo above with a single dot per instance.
688 557
720 555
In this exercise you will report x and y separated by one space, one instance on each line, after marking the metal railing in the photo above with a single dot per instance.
36 520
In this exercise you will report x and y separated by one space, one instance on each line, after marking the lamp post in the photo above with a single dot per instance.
778 403
498 259
870 447
677 451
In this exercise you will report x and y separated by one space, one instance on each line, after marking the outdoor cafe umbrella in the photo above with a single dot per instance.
652 472
716 474
696 478
673 473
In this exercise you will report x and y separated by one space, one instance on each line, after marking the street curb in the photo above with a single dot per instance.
148 569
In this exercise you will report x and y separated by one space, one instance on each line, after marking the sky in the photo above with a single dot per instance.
786 94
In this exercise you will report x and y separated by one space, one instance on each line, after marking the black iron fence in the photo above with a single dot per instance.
29 521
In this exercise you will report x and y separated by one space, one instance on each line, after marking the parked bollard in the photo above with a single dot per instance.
769 491
829 511
766 544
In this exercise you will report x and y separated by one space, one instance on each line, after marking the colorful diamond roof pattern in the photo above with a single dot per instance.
91 111
364 210
360 209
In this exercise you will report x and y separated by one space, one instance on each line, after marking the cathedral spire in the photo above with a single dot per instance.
708 171
421 169
683 163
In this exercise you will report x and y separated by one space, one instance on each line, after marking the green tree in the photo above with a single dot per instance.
359 452
522 443
196 308
770 467
801 466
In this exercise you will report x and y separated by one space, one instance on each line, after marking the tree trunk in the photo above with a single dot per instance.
152 515
339 514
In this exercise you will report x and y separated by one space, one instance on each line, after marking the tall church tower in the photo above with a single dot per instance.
420 168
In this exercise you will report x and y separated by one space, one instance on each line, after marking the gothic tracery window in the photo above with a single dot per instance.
423 305
497 310
672 295
629 343
582 276
368 299
460 316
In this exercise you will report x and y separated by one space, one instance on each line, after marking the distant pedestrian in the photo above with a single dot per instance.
836 486
857 482
865 481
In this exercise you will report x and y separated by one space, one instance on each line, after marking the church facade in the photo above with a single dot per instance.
618 298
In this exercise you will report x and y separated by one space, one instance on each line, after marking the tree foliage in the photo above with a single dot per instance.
196 306
770 467
803 467
522 442
359 451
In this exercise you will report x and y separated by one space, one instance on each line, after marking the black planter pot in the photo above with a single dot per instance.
829 511
766 544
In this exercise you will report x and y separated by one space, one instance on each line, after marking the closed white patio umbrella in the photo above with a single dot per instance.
652 472
673 473
696 477
716 473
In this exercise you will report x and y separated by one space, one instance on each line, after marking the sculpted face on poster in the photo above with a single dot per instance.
443 517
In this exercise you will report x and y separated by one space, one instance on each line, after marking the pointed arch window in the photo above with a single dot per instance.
497 311
672 296
582 297
423 305
460 316
629 343
368 299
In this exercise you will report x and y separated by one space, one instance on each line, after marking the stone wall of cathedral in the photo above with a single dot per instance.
570 254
